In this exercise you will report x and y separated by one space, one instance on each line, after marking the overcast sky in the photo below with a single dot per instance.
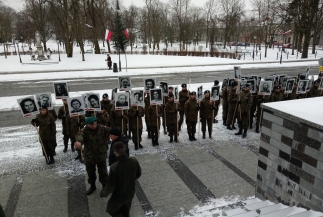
18 4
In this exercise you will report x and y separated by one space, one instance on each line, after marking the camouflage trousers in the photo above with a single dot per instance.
102 170
231 115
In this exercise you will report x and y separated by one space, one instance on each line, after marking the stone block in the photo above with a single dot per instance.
314 153
280 146
273 118
319 166
282 130
277 136
287 141
301 173
291 125
271 149
318 183
265 130
304 157
308 141
315 134
313 171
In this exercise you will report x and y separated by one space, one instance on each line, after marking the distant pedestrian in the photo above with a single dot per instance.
109 61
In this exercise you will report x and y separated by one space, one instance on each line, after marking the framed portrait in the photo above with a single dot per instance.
44 99
281 79
321 85
252 83
265 87
307 72
310 82
302 86
244 78
124 83
149 84
270 78
199 93
255 77
137 98
164 87
28 106
156 96
289 85
176 96
241 85
76 106
215 93
113 91
224 83
61 90
230 83
258 80
237 72
93 102
121 101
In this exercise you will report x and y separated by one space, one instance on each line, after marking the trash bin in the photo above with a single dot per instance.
115 67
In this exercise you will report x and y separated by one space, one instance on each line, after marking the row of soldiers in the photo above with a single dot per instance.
243 106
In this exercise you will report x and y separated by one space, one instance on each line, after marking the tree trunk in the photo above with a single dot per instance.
299 48
313 44
96 46
306 44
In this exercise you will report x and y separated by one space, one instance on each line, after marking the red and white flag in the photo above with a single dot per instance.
126 33
280 32
287 32
108 35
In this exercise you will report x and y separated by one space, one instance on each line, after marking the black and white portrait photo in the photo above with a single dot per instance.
93 102
176 96
200 93
164 87
137 98
124 83
237 72
122 100
149 83
252 83
224 83
44 99
265 87
156 97
301 87
76 106
61 90
242 84
28 106
289 85
310 82
215 93
281 79
113 91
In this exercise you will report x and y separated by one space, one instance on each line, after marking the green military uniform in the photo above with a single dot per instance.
252 109
118 119
292 95
73 126
225 104
53 112
232 100
260 99
314 92
206 115
2 212
183 97
47 133
153 116
276 96
135 114
62 114
191 113
103 118
164 113
245 103
95 152
147 104
171 110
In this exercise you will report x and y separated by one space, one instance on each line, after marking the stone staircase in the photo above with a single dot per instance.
255 207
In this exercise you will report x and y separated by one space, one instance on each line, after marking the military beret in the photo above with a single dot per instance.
183 85
193 93
216 82
207 91
90 120
316 81
115 131
170 95
44 106
233 84
105 95
171 87
247 85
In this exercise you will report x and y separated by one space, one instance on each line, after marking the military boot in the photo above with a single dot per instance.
175 139
170 139
190 137
257 130
239 133
65 148
148 135
51 159
140 146
91 189
229 128
193 137
233 127
210 135
136 146
244 135
203 135
72 147
224 122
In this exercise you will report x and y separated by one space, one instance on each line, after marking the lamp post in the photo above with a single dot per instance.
254 45
59 55
166 45
17 42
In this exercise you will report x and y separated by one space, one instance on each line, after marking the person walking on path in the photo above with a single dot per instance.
109 61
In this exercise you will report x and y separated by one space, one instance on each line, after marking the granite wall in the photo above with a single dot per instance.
290 164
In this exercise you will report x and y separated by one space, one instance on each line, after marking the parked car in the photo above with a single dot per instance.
287 45
240 43
232 43
89 51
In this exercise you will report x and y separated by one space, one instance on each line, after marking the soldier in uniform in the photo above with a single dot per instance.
153 116
232 110
183 97
47 133
245 103
94 137
276 95
135 114
171 118
147 104
191 113
225 104
206 113
119 118
216 104
106 104
253 106
73 126
292 95
314 91
63 112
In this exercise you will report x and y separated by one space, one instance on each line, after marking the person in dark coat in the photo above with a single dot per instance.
191 112
206 113
171 109
135 114
63 112
47 133
121 182
109 61
94 137
117 136
183 97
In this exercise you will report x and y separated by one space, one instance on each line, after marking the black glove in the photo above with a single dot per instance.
33 122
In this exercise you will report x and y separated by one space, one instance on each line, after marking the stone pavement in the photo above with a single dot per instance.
175 178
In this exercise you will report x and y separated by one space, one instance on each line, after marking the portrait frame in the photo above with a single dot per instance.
200 93
75 112
231 80
119 106
302 89
176 96
241 84
27 112
237 72
268 87
64 93
252 82
153 101
289 85
164 86
224 82
133 99
215 97
39 97
89 106
113 92
153 80
121 84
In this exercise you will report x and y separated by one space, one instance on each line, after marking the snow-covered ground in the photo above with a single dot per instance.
13 139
